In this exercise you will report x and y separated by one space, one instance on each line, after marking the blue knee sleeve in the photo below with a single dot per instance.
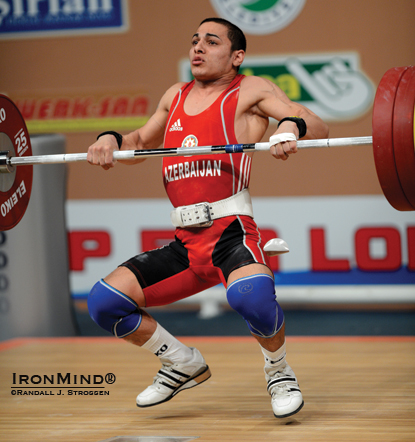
253 297
112 310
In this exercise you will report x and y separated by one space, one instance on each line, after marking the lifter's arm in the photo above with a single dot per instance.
149 136
271 101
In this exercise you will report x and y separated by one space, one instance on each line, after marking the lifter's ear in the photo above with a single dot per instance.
238 57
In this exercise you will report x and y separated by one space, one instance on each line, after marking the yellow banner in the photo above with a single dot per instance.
85 124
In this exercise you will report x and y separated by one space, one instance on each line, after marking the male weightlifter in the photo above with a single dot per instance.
219 107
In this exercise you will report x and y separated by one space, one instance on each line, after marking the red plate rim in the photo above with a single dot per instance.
403 134
382 134
14 201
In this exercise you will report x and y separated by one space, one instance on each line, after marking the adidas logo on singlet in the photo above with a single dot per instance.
176 126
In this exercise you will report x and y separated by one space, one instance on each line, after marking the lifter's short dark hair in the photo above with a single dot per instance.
235 35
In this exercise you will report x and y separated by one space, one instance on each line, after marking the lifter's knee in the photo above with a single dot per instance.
112 310
253 297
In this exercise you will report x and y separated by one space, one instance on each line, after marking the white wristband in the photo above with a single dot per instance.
281 138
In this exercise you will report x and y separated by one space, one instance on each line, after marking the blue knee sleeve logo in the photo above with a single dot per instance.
245 288
253 297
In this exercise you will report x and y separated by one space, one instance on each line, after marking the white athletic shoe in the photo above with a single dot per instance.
171 379
286 397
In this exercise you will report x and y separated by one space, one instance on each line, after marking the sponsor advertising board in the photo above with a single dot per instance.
49 18
342 249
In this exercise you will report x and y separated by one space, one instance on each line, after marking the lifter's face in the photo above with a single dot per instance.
210 54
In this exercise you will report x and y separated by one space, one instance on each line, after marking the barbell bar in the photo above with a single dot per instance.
392 141
7 162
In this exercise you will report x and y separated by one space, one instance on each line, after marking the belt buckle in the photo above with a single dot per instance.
197 215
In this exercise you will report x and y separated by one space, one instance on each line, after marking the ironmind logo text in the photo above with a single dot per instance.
62 379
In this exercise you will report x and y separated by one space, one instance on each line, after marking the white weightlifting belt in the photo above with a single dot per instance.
203 214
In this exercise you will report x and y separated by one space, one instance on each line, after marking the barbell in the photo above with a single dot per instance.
392 141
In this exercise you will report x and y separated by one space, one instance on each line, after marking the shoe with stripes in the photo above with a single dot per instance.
286 397
171 379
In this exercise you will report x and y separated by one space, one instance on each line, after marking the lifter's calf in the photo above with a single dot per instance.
144 332
274 343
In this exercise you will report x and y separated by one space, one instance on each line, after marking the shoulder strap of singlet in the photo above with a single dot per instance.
236 81
229 101
176 101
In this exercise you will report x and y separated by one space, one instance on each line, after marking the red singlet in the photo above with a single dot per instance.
195 179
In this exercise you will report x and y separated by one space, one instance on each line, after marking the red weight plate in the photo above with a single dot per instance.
382 133
15 195
403 134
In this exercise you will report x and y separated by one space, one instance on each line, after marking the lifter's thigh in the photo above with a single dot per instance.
126 282
248 270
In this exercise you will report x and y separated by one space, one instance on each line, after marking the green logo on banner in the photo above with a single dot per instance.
259 16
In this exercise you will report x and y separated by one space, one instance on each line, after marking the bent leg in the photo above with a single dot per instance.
253 296
116 304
